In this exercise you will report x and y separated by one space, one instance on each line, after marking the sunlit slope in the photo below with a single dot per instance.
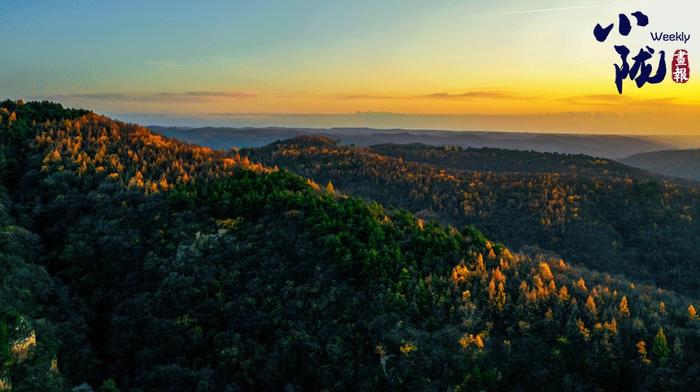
592 211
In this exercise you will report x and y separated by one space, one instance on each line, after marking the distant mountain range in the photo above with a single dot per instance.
607 146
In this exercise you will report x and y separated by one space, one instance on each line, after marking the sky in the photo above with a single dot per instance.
510 65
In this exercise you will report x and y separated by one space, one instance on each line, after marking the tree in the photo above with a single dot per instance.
497 294
677 348
624 308
590 305
5 354
563 294
546 272
661 349
642 350
136 180
108 386
581 284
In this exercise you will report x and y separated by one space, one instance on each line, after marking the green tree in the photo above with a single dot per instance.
661 349
108 386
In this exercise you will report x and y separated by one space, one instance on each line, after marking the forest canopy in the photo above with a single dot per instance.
594 212
135 262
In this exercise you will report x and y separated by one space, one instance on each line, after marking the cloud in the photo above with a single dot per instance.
187 96
203 95
367 96
619 100
219 94
476 94
486 94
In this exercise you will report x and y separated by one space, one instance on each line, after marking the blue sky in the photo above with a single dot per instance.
291 60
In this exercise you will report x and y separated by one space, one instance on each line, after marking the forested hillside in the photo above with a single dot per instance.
133 262
677 163
595 212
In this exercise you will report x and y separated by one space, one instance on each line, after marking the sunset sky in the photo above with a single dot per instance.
527 65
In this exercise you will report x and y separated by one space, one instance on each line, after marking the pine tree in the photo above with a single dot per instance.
624 308
677 349
590 305
642 350
563 294
546 272
661 349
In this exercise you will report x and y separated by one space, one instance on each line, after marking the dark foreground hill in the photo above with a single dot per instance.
676 163
595 212
137 263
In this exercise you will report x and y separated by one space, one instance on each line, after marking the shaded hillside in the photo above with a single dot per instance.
594 212
136 262
595 145
510 161
676 163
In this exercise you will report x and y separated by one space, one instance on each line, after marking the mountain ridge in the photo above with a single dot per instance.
609 146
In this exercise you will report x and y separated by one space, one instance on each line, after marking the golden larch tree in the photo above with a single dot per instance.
624 308
590 305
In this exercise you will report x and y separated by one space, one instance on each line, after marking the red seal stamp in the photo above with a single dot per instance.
680 67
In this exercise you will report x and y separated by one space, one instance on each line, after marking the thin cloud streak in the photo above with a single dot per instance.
473 94
619 100
153 97
223 94
544 10
196 95
476 94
